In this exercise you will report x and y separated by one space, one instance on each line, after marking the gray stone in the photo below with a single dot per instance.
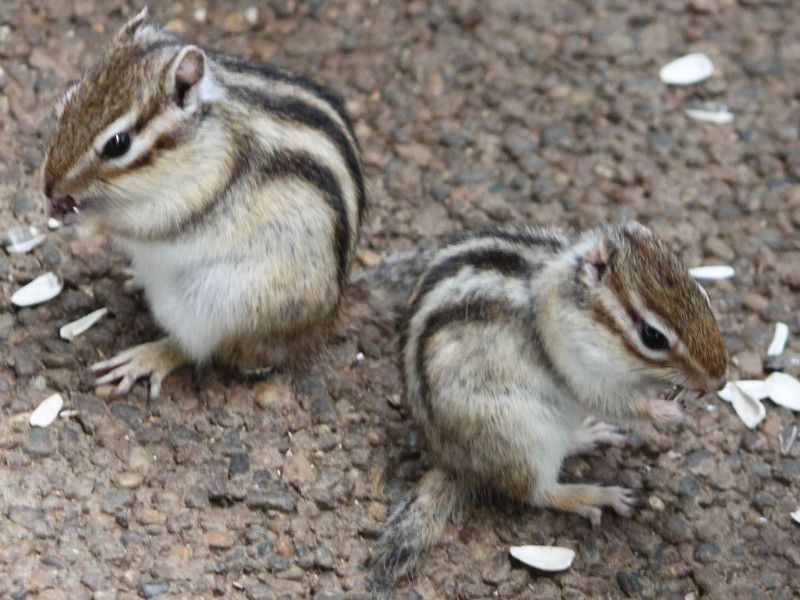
39 443
239 465
629 583
151 589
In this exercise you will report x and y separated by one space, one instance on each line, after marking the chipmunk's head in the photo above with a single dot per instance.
656 320
124 135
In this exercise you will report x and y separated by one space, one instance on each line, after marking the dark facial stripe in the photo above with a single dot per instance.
148 113
496 259
605 318
266 71
297 111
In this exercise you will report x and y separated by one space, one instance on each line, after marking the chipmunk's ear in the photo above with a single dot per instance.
186 72
594 263
128 31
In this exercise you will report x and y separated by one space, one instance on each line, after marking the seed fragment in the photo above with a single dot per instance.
72 330
43 288
750 410
47 411
710 113
779 339
712 272
544 558
755 388
686 70
783 389
23 239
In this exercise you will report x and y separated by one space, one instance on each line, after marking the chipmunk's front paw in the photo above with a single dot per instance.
594 433
154 361
664 411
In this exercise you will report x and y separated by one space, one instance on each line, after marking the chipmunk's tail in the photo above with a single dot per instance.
413 526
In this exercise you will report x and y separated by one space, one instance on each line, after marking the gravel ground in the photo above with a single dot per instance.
470 113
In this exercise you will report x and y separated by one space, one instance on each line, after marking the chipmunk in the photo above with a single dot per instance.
236 187
513 339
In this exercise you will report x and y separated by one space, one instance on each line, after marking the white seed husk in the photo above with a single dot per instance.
796 516
779 339
53 223
43 288
783 389
23 239
544 558
712 272
755 388
787 441
718 115
72 330
686 70
750 410
47 411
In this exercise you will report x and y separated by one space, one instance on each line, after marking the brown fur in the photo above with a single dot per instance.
646 265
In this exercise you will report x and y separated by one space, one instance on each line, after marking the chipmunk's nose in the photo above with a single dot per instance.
60 205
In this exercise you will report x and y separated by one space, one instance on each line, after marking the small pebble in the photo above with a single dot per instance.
656 503
129 479
151 589
219 539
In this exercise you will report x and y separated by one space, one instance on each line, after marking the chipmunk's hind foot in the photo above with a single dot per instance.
154 360
589 500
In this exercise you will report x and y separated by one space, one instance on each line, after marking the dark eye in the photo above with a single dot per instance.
117 145
653 338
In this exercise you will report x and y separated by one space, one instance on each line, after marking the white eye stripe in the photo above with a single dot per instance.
631 325
124 123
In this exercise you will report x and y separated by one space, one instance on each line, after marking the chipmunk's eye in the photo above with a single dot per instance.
117 145
653 338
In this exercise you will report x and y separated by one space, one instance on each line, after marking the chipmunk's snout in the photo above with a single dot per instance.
60 204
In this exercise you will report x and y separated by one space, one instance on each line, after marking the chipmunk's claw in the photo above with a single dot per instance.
154 361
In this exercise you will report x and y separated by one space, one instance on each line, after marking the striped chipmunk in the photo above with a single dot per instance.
236 188
513 340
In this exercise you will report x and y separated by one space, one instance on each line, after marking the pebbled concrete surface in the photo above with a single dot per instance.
470 113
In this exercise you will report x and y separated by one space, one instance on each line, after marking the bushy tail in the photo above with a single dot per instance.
413 526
